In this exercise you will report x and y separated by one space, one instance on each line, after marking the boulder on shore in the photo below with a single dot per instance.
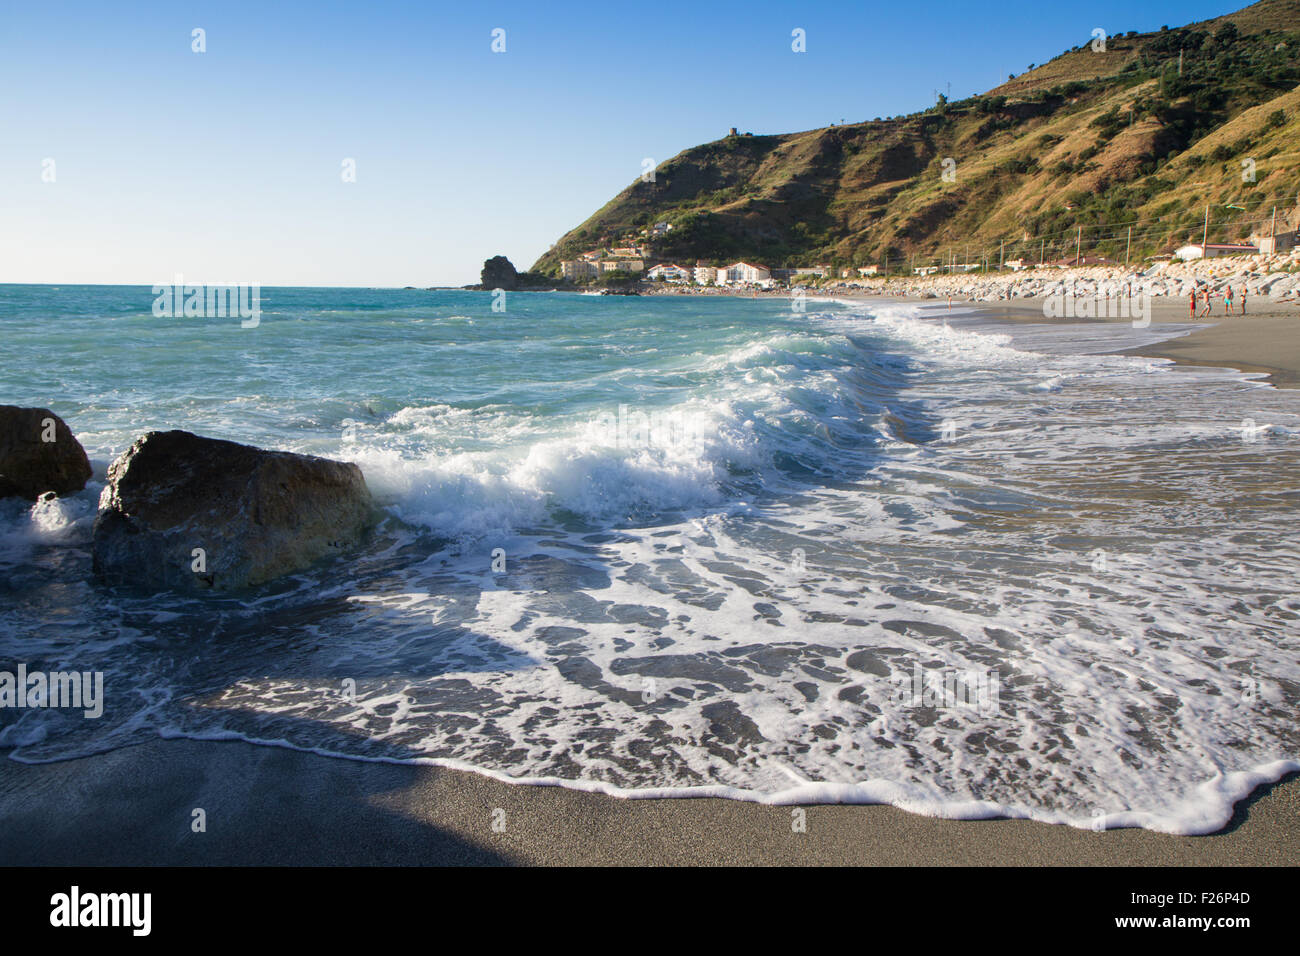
38 453
183 511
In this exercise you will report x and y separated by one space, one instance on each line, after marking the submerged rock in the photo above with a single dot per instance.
38 453
190 512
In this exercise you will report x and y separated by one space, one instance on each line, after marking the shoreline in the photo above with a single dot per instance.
1261 341
274 806
1265 341
270 805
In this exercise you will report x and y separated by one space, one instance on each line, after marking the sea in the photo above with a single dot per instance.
765 549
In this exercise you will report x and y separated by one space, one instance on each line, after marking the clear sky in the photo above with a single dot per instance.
227 165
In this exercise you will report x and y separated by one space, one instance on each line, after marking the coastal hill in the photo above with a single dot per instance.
1092 151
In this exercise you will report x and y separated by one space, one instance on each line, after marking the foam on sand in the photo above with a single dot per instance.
840 502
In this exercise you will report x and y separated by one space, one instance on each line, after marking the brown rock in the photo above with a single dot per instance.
190 512
38 453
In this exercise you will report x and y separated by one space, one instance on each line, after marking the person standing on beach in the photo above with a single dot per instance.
1227 301
1243 300
1191 306
1205 309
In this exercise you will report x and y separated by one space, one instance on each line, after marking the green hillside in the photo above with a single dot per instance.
1086 148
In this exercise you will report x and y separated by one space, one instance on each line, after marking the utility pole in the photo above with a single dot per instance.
1042 251
1078 243
1002 252
1128 248
1273 229
1205 236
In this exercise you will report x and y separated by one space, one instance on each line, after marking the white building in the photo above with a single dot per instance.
868 270
705 274
1213 250
575 269
743 273
621 265
670 273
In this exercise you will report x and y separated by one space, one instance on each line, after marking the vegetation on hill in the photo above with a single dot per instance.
1094 150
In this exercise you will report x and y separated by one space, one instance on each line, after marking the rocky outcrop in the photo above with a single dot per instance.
183 511
499 273
38 454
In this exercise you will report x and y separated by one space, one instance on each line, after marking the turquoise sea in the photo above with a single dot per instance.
687 545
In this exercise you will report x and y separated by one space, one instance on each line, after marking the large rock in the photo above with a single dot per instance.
499 273
38 454
189 512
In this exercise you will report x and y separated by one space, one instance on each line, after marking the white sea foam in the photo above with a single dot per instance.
731 615
601 468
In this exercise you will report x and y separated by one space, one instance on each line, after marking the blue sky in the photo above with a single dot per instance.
226 165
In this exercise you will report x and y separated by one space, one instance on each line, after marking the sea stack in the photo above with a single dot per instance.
38 453
187 512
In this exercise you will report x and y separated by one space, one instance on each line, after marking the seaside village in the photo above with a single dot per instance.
631 257
1267 264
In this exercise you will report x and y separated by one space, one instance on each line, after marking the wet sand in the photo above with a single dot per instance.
1266 339
268 805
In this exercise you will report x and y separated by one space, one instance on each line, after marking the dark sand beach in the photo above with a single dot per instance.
267 805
